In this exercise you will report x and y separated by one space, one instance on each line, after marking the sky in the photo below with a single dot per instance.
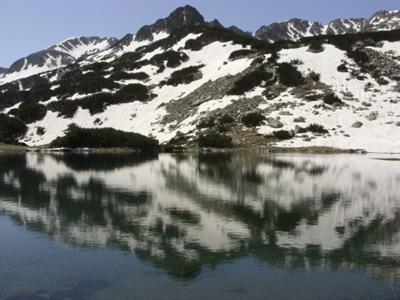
27 26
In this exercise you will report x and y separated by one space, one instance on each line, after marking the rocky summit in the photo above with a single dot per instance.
188 82
182 16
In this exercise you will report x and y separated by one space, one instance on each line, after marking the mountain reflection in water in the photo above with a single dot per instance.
183 212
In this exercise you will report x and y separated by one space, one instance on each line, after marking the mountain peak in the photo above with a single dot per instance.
188 14
239 31
182 16
215 24
293 30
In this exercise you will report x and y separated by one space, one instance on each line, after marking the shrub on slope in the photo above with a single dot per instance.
9 98
30 111
97 103
66 108
315 76
240 53
128 60
250 81
104 138
342 68
76 82
93 82
253 119
11 129
346 41
193 44
289 75
40 92
332 99
121 75
214 140
283 134
185 76
316 128
173 59
315 46
96 67
132 92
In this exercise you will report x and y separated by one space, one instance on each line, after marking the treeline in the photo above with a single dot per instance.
346 41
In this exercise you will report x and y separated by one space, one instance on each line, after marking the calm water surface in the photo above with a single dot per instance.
209 226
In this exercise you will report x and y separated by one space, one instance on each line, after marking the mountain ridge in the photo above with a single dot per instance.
294 29
58 55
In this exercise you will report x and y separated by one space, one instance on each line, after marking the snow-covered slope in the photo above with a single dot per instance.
59 55
377 108
77 47
127 44
146 117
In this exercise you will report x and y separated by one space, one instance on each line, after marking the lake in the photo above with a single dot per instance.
199 226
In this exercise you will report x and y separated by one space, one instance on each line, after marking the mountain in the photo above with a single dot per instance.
215 24
56 56
209 86
343 26
182 16
384 20
291 30
239 31
295 29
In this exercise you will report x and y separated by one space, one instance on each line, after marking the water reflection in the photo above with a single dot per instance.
183 212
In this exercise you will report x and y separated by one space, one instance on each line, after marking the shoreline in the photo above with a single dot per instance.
6 148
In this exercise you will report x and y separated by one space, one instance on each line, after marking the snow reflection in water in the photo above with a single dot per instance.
183 212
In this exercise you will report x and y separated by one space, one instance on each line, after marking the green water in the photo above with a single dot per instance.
209 226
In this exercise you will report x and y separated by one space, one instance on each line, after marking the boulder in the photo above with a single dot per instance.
357 124
274 123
